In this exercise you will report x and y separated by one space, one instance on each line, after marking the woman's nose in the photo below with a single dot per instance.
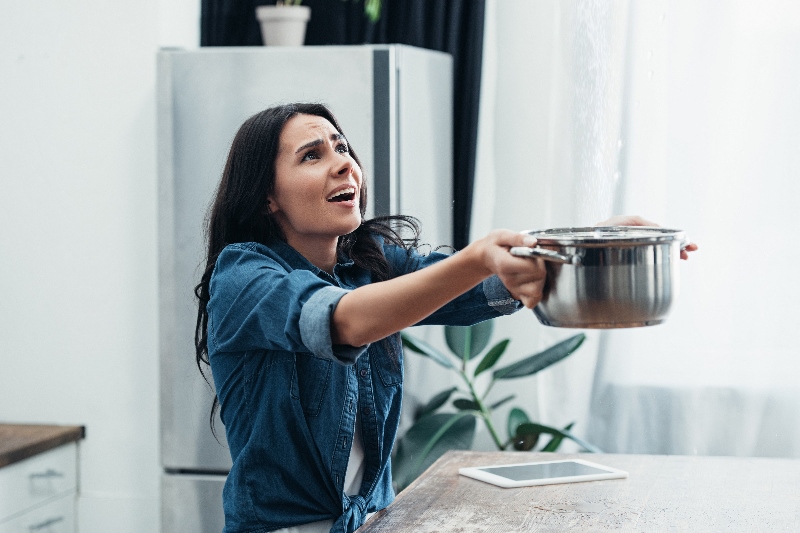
344 167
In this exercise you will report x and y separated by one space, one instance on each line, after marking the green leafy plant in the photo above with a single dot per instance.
433 432
372 8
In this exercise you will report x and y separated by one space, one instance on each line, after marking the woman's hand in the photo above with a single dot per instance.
523 277
633 220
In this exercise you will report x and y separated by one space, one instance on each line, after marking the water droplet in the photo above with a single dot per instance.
663 17
650 55
650 74
616 176
619 144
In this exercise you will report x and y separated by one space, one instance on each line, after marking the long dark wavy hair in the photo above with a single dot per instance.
239 212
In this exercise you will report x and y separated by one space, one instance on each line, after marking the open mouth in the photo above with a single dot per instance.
345 195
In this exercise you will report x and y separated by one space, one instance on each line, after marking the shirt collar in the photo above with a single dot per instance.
296 260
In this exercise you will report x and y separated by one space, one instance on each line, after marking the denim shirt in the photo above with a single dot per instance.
288 396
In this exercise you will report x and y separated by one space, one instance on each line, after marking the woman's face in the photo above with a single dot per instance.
317 183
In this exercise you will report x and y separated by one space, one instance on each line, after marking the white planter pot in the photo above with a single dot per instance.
283 25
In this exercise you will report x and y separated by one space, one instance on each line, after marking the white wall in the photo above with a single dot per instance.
78 335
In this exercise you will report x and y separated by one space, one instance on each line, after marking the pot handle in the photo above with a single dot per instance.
547 255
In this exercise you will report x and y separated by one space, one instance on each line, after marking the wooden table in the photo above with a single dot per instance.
662 493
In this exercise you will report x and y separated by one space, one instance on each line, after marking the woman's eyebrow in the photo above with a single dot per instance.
317 142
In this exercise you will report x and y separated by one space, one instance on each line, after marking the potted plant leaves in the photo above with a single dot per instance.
434 432
284 24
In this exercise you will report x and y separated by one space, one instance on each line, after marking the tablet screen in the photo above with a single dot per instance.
544 470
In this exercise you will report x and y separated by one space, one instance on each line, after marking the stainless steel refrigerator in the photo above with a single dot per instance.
395 105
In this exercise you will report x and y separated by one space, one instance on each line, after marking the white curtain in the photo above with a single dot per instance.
685 112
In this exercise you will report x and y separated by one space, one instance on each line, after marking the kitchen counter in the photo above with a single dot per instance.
20 441
662 493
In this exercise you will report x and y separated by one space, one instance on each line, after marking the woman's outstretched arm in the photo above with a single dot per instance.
375 311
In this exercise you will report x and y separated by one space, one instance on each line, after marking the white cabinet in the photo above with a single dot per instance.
37 495
58 516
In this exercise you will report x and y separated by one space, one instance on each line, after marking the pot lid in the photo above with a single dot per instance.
606 235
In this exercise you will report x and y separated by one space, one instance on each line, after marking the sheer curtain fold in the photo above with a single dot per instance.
683 112
542 131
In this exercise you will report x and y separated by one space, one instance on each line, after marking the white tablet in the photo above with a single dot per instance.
542 473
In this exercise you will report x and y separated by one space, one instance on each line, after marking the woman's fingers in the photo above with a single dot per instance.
509 239
691 247
524 278
497 258
530 294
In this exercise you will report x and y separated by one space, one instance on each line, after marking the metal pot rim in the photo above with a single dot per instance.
607 235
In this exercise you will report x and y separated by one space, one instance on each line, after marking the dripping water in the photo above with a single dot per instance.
598 114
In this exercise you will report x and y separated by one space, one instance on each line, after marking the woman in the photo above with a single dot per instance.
300 306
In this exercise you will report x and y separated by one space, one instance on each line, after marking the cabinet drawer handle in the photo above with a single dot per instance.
49 473
46 523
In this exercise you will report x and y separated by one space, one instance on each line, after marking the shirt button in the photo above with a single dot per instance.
367 410
363 372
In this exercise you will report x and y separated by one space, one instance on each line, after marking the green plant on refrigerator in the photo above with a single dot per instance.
372 8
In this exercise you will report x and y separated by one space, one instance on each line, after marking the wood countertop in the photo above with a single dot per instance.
20 441
662 493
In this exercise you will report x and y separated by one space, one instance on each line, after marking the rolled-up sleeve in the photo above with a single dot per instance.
259 303
315 327
498 297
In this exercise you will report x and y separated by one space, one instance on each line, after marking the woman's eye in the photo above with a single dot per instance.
311 154
342 148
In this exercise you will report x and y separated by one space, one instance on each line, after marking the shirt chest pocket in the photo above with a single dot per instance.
310 381
388 359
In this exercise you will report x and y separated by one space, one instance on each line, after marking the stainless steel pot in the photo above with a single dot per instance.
607 277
